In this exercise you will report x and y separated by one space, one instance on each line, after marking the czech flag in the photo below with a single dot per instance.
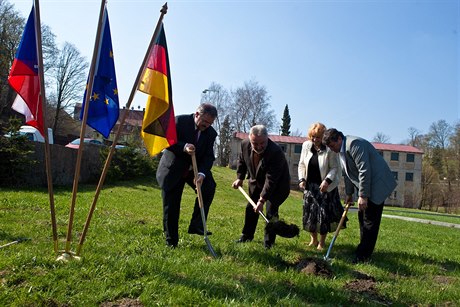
159 125
23 77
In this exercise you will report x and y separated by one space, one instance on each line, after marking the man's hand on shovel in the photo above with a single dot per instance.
260 205
198 180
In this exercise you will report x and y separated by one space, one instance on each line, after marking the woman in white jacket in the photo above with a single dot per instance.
318 172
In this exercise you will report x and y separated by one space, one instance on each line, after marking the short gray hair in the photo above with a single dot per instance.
207 108
258 130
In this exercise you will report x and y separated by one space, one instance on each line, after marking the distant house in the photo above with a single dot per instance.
405 162
291 145
131 126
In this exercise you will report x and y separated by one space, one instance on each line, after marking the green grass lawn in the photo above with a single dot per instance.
125 259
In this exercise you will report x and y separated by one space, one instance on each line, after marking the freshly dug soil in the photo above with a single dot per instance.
314 266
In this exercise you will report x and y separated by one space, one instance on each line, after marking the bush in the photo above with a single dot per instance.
15 156
129 163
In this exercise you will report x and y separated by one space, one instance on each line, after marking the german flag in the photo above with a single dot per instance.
159 126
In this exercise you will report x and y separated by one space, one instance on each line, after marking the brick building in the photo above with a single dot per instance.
131 126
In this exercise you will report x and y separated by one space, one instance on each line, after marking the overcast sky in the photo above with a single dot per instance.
362 67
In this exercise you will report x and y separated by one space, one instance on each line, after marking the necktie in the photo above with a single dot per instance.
255 159
197 135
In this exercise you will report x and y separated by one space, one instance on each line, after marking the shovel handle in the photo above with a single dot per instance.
342 220
198 191
198 188
252 203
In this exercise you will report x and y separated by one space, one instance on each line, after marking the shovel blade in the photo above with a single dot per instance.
211 249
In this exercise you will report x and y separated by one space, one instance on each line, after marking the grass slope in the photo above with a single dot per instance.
125 260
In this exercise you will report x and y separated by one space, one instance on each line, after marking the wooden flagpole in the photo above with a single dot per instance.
163 11
83 128
41 77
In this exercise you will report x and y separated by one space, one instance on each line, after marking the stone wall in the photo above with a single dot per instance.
63 161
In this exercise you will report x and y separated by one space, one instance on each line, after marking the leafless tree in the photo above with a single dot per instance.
217 95
455 145
251 106
414 137
430 184
11 29
11 26
381 138
297 132
440 133
69 77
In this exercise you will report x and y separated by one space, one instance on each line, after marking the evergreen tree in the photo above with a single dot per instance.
286 122
225 138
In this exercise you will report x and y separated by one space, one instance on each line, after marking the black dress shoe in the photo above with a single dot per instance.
357 260
243 239
268 245
195 231
171 244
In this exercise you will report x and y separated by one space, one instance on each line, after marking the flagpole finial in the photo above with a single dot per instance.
164 8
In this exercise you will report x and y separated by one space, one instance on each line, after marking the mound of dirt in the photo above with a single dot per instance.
362 283
365 286
313 266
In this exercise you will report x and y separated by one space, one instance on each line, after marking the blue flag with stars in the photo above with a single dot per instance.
103 109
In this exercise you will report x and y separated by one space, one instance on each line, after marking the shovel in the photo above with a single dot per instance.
15 242
200 202
336 234
277 227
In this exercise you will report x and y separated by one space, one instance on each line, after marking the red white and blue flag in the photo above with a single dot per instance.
23 77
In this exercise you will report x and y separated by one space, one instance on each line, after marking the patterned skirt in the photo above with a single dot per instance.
321 211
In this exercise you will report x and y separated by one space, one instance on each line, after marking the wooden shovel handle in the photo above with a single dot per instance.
252 202
198 188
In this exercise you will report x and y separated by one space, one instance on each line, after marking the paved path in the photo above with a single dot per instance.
413 219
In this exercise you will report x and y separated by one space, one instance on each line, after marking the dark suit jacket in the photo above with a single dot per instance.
175 162
270 177
367 171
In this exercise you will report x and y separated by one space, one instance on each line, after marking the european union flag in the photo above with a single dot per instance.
103 109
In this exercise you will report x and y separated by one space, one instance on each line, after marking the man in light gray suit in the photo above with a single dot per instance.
366 170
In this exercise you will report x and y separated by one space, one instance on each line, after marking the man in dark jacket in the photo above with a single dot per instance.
265 165
194 135
366 171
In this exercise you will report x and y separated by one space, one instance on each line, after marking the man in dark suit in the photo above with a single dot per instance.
365 170
265 165
194 135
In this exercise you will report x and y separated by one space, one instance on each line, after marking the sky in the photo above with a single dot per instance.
361 66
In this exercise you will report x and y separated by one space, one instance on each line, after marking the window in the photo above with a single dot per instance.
396 175
283 147
409 176
380 152
297 148
410 158
395 156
